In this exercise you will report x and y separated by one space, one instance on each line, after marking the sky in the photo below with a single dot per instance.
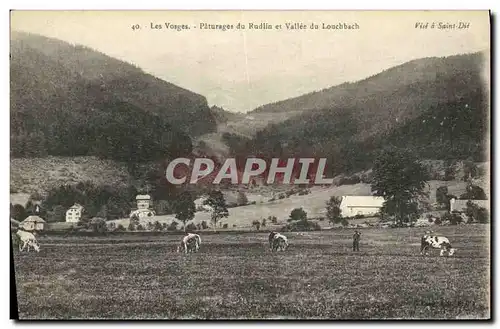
242 69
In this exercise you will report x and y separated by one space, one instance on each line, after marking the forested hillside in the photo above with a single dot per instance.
71 100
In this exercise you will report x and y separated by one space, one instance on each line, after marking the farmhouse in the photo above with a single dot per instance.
74 213
143 201
33 223
352 205
461 205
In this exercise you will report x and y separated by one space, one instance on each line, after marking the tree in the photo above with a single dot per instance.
256 223
242 199
298 214
184 207
18 212
442 195
264 222
400 178
219 208
476 213
473 192
333 212
57 214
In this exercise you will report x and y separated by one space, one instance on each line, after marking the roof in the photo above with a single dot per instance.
462 204
362 201
143 197
75 206
33 218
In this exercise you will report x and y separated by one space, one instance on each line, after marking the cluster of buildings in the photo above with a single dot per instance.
350 206
75 212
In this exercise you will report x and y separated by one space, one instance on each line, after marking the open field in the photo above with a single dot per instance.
235 276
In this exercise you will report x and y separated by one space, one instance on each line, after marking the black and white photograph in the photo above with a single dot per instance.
250 164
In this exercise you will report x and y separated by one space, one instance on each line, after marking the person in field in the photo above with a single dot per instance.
437 242
279 242
190 243
355 240
27 239
271 237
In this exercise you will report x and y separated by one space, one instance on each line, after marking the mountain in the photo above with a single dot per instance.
72 100
437 107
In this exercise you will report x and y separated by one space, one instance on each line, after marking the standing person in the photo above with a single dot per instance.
355 241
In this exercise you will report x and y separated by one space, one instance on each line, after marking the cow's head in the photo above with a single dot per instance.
37 247
452 251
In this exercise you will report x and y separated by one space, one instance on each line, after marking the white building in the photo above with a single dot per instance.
74 213
143 201
352 205
33 223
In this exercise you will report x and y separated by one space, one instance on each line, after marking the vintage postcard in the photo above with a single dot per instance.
250 165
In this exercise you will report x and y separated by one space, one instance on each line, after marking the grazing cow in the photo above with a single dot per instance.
27 239
190 243
436 242
280 242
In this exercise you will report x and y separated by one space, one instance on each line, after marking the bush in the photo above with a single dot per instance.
473 193
157 226
263 224
359 216
140 227
204 225
272 199
273 219
301 226
190 227
198 227
281 196
173 226
253 202
225 225
438 221
298 214
131 227
256 223
120 228
475 213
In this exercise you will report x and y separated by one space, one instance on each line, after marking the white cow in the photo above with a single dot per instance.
27 239
190 243
436 242
279 242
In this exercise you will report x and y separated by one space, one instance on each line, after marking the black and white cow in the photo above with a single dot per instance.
190 243
436 242
279 242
